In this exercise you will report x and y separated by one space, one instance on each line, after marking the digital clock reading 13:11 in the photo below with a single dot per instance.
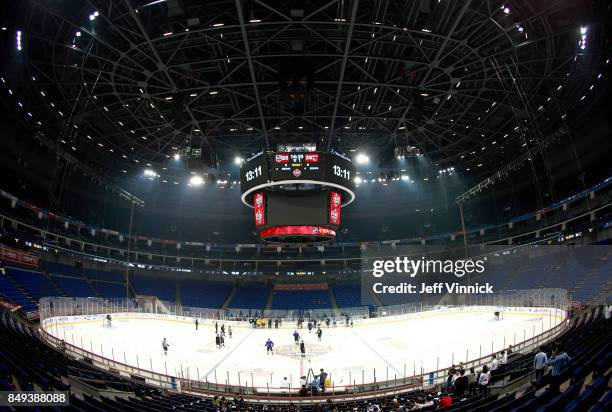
341 172
253 173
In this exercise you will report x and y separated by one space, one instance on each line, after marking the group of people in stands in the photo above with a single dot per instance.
558 361
461 382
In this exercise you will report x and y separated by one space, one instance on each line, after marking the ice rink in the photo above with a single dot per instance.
387 347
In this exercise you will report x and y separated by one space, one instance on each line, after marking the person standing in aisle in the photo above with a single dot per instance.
559 361
539 364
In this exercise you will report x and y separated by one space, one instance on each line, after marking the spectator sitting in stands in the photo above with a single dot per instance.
239 401
303 391
445 401
330 406
423 403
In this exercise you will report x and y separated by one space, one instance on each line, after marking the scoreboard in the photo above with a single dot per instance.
289 166
297 195
300 167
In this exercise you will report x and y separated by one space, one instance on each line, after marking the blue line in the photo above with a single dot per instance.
226 356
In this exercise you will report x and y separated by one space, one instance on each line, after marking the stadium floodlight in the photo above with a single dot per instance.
196 180
362 159
238 160
177 156
18 39
150 173
405 177
358 180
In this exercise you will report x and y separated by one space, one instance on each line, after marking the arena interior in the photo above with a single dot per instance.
338 205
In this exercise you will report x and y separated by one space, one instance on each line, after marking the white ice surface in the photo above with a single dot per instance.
424 341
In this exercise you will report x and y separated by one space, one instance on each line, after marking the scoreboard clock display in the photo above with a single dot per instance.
340 171
297 194
254 172
317 166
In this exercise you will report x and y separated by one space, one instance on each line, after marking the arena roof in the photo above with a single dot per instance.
130 83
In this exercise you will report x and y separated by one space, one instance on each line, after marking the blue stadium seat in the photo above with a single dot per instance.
301 299
250 296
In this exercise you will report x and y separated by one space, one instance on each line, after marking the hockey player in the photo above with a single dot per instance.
197 323
229 330
276 324
218 341
222 340
223 329
327 322
319 333
309 326
108 320
296 337
216 327
165 346
302 349
269 347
